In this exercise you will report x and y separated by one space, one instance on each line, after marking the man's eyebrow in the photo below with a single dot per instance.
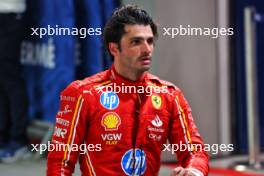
141 38
136 38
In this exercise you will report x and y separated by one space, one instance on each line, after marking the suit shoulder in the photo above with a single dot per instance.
161 83
98 78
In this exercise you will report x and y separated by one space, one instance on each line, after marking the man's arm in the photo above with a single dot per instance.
184 135
69 131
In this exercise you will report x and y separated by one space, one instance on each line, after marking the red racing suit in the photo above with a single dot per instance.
122 131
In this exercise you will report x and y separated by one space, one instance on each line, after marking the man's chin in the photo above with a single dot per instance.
145 68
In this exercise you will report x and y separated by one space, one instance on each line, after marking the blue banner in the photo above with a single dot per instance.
93 15
49 59
63 43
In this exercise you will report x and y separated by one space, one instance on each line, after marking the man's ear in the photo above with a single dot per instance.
113 48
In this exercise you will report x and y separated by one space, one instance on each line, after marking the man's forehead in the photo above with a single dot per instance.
138 30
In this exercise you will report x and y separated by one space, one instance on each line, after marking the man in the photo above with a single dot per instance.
125 131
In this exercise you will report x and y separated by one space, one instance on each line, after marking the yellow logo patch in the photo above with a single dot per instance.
156 101
111 121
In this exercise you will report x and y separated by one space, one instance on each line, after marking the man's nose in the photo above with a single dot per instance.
147 48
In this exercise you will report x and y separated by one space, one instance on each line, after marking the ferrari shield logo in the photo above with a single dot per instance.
156 101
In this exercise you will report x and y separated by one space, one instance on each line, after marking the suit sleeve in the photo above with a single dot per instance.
185 139
69 132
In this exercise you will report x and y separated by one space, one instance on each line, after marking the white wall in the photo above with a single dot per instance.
192 62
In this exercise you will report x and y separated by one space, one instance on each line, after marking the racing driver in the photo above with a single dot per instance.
125 131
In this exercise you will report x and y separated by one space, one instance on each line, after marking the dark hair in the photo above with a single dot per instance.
128 14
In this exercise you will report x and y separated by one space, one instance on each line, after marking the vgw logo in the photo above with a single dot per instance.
109 100
134 162
111 136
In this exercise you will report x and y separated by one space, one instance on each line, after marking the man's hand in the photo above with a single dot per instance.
180 171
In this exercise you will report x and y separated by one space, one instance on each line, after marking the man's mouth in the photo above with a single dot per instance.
146 60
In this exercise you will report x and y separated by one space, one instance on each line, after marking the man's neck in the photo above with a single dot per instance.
129 74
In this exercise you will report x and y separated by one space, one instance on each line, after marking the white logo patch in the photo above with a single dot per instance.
157 122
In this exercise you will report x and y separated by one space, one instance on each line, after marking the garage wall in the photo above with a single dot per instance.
192 62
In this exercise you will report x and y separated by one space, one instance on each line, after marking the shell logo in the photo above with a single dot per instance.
111 121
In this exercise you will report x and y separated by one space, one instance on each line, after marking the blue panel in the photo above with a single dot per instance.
241 122
48 61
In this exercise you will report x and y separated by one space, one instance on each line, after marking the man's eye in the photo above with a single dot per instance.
150 41
135 42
